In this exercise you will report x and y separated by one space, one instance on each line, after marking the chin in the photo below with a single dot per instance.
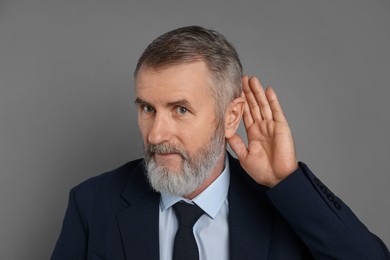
173 170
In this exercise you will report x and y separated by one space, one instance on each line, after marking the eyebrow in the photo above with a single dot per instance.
139 101
176 103
180 102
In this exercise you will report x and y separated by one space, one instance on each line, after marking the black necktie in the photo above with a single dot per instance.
185 247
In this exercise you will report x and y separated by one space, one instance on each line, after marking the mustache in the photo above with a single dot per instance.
164 148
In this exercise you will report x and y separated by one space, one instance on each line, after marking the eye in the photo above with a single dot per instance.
147 109
181 110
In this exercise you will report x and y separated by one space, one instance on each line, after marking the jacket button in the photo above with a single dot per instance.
331 197
337 205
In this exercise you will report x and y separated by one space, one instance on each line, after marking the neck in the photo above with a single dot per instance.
215 174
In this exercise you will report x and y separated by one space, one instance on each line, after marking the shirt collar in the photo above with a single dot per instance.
210 200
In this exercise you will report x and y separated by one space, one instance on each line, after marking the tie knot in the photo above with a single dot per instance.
187 214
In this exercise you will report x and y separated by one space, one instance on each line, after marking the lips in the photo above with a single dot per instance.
166 155
163 153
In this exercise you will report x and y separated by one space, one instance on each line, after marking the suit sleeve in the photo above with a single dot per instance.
322 221
72 242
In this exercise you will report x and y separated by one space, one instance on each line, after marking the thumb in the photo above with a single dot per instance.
238 146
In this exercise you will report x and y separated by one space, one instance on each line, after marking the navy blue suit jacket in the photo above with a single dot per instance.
115 216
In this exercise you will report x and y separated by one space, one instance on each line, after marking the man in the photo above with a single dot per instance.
190 97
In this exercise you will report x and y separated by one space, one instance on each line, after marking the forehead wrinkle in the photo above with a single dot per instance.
160 91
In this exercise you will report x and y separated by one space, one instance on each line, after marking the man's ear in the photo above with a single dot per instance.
233 116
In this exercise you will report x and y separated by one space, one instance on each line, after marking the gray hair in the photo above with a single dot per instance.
195 43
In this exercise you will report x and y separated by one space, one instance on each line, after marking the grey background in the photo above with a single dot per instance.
66 96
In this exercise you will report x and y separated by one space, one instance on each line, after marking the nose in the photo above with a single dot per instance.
160 130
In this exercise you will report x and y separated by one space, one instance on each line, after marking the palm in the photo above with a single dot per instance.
270 155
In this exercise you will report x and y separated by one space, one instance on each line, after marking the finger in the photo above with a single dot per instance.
261 98
246 116
238 146
277 111
253 106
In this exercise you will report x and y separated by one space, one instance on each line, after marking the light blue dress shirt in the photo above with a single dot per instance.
211 231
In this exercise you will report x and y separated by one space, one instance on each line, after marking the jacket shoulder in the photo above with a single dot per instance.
110 183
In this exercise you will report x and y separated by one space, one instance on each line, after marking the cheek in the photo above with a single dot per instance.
142 126
195 137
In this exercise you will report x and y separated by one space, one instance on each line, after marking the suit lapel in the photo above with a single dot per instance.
250 220
139 223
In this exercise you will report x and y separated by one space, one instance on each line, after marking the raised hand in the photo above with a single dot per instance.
270 156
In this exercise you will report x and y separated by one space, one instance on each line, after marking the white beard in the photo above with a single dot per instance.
195 169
